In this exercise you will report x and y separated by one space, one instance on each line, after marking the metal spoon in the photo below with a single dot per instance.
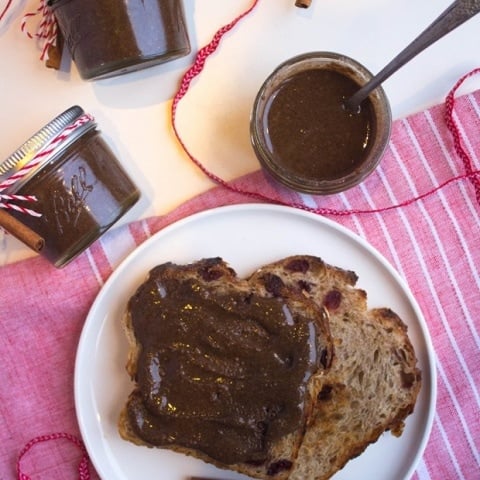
457 13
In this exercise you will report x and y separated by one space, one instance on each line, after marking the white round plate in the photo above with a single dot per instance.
246 236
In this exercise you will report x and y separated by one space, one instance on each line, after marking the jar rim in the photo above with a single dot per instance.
37 142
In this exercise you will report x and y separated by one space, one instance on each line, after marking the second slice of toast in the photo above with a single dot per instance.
373 383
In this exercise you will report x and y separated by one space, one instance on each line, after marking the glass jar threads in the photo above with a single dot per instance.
79 187
112 37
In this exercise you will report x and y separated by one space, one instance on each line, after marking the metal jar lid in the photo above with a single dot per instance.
38 142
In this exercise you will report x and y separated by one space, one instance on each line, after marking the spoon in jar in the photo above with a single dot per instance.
457 13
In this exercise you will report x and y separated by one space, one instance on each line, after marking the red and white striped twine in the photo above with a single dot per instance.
6 199
46 30
13 206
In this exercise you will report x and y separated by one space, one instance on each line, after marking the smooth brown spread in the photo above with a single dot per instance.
222 373
310 133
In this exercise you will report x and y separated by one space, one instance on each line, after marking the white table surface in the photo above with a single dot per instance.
133 111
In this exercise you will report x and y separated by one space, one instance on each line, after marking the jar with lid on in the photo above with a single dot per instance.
80 187
112 37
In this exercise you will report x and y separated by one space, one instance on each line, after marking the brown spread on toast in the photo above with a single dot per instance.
223 372
287 374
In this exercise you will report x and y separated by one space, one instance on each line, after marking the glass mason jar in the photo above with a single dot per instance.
112 37
80 187
302 134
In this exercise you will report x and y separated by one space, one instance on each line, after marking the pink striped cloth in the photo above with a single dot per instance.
433 242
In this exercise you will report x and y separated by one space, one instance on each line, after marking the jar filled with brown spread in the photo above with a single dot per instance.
80 188
112 37
304 136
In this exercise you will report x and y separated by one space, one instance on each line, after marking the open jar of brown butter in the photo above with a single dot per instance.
79 187
303 135
107 38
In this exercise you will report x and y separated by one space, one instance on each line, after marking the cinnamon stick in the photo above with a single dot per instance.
21 231
303 3
54 57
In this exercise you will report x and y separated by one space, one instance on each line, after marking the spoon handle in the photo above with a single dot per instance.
457 13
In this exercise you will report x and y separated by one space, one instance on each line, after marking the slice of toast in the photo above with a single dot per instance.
373 383
214 279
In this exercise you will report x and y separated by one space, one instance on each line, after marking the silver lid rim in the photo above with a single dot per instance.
37 142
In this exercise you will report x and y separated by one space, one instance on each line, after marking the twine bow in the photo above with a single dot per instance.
46 31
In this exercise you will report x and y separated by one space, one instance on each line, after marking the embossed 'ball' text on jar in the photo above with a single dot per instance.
305 137
80 187
107 38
